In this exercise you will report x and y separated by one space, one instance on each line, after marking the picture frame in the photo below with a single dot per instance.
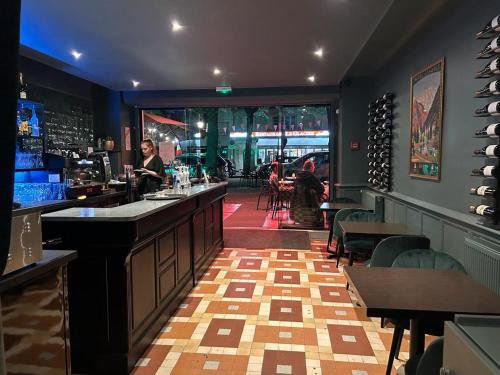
426 122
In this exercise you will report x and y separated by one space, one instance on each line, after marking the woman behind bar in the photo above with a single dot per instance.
151 167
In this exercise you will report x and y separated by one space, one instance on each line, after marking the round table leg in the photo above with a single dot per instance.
417 338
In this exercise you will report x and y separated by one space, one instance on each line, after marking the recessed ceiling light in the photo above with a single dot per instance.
200 124
311 78
167 138
217 71
176 26
319 52
135 83
76 54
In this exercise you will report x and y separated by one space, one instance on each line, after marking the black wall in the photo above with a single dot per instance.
452 37
66 94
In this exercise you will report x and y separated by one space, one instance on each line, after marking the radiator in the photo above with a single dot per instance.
482 262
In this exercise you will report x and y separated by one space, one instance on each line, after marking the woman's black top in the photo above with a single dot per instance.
148 183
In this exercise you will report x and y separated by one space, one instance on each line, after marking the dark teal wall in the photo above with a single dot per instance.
452 37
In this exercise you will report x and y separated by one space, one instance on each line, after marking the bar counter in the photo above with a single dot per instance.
135 265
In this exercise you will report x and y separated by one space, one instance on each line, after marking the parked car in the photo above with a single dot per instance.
321 160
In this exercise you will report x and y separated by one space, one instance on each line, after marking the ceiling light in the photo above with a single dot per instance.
76 54
176 26
319 52
167 138
311 78
217 71
135 83
200 124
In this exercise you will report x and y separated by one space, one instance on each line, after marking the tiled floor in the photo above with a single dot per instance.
273 311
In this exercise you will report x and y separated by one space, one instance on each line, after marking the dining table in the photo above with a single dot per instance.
419 294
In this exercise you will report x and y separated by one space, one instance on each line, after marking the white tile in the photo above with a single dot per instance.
286 310
287 264
348 338
284 369
224 332
285 335
211 365
359 372
233 307
240 289
286 291
325 266
287 277
142 362
245 275
287 255
334 294
250 263
340 312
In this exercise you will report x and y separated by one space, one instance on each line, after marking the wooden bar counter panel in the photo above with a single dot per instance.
136 263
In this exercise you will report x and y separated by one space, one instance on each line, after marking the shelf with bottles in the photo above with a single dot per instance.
380 113
487 192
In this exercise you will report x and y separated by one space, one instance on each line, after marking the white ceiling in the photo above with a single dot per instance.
256 43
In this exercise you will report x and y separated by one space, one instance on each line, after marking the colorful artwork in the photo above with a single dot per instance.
426 122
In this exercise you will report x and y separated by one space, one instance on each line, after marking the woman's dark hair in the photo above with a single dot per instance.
148 142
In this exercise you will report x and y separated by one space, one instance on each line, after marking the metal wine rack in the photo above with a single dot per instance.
492 201
380 142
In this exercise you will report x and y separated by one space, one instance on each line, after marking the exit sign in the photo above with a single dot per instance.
223 89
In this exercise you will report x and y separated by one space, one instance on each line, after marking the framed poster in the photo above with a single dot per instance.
426 121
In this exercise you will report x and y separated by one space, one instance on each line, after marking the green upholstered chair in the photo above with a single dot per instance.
419 258
359 245
337 231
389 248
430 362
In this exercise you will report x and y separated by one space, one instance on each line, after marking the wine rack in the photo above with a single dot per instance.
487 204
380 142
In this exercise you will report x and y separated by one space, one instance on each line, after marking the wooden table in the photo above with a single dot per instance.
418 293
334 207
375 230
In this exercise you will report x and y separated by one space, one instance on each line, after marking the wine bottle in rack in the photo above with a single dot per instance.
373 113
492 88
492 109
387 115
490 49
492 151
490 69
385 165
484 191
491 130
23 91
487 171
484 210
491 27
384 154
372 138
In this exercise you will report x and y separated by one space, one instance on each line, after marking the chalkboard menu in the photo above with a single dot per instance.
68 120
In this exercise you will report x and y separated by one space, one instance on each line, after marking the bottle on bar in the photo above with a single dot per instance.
23 91
492 109
490 49
490 28
492 88
484 191
483 210
490 69
35 127
487 171
491 130
492 151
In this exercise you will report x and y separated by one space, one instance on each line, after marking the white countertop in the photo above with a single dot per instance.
127 212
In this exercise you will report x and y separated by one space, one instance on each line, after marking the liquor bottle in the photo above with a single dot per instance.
485 191
490 28
492 88
35 126
487 171
483 210
384 154
388 96
490 49
490 69
23 91
492 151
491 130
492 109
